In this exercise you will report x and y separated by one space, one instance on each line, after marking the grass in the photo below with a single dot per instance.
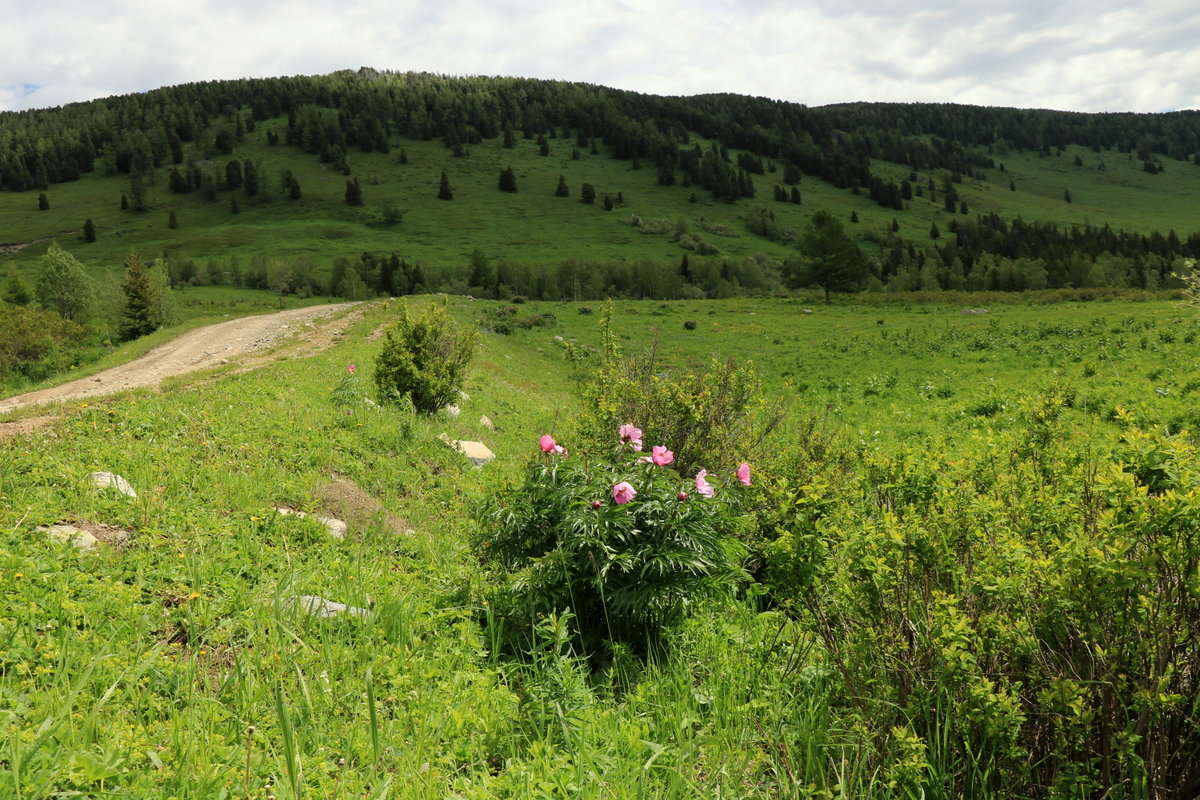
533 227
136 672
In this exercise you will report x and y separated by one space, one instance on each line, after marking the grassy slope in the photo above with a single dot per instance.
535 227
148 663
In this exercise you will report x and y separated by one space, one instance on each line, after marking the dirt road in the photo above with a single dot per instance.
201 348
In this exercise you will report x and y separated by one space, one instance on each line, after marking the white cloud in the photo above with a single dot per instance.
1103 55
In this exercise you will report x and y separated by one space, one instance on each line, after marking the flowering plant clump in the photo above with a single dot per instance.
347 393
622 540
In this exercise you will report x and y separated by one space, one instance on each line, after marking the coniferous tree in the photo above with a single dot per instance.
137 192
587 193
16 291
830 258
124 202
508 180
249 178
89 230
294 189
354 195
177 183
143 311
543 145
562 190
794 196
43 202
510 138
233 175
1067 195
444 190
403 157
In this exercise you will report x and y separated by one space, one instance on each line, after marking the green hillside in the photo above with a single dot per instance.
703 175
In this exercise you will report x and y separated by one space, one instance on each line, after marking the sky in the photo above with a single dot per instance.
1074 55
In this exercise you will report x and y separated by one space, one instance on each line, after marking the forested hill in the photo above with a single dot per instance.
332 113
949 196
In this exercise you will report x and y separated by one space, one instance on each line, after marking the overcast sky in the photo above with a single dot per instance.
1079 55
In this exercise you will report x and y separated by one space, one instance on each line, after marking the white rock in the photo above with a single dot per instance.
68 534
463 395
107 480
336 527
476 452
452 411
316 606
487 423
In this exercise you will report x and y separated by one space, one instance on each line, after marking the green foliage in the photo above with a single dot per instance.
15 290
62 285
354 195
1019 612
627 571
146 292
445 192
714 416
34 343
424 358
830 258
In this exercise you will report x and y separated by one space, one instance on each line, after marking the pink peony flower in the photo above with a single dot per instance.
559 450
703 488
661 455
623 493
352 369
681 496
546 443
632 435
743 473
596 504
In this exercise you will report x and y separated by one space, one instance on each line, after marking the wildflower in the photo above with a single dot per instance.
661 456
559 450
352 369
743 473
703 488
681 496
632 435
622 493
546 443
596 504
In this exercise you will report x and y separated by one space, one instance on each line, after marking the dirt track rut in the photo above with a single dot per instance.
201 348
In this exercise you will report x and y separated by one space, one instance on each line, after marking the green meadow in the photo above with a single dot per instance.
971 567
535 228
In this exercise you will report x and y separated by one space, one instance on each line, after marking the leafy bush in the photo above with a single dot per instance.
618 538
1030 614
713 415
424 359
32 342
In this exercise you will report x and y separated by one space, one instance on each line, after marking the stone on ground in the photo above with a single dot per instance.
477 453
336 527
108 480
316 606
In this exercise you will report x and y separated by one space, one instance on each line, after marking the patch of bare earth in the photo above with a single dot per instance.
346 500
24 427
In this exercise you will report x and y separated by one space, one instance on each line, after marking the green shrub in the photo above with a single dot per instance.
424 358
623 541
33 342
1030 614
